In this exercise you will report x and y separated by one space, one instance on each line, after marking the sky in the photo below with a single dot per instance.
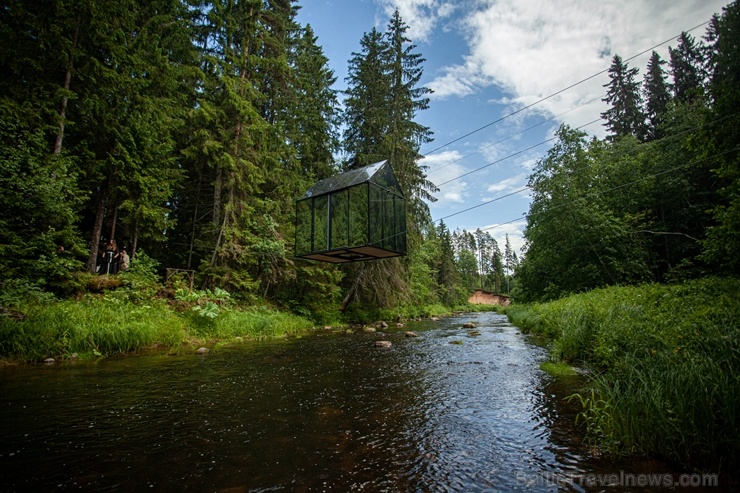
505 75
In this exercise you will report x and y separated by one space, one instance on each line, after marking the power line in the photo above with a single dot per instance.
518 133
664 139
514 154
623 185
558 92
482 204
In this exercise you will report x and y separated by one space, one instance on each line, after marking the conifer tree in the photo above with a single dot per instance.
722 245
311 126
405 136
686 63
367 98
656 96
382 101
624 116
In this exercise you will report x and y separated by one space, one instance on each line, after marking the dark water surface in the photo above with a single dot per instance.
325 412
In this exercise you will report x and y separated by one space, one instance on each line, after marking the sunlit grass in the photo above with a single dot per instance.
104 327
665 363
95 327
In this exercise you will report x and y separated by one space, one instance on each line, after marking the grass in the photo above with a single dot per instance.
558 368
666 366
106 326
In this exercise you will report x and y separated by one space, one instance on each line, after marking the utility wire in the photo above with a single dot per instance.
558 92
514 135
482 204
514 154
663 140
623 185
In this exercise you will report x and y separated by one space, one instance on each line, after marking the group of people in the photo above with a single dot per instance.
112 260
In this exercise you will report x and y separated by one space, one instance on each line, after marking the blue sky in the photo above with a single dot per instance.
486 59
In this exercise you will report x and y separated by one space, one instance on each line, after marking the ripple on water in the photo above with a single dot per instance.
324 413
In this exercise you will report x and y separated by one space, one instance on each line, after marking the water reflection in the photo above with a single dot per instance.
450 410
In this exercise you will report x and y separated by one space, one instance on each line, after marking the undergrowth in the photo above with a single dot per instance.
665 364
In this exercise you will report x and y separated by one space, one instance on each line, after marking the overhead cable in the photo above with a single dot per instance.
556 93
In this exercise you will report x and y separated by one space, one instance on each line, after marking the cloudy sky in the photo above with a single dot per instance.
505 74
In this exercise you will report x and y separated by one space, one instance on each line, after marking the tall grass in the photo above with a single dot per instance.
253 323
107 326
98 327
666 366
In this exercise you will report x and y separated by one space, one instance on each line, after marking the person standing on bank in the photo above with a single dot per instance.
123 260
110 258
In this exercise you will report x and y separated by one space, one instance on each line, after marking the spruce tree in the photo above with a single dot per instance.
656 96
722 245
686 63
624 116
311 126
367 98
405 136
382 100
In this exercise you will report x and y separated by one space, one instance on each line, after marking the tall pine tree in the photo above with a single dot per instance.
624 116
687 62
656 96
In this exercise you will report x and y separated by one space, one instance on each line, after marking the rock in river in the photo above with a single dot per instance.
383 344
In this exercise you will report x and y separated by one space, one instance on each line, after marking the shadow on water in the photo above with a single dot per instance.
449 410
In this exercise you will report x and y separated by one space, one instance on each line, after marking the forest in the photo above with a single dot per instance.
185 130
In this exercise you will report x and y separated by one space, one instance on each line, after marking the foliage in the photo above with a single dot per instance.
663 360
188 129
38 205
624 116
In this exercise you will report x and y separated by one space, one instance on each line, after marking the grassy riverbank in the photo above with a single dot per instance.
101 327
134 311
665 364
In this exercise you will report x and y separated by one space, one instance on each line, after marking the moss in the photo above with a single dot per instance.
558 368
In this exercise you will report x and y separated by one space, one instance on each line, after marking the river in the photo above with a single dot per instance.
451 410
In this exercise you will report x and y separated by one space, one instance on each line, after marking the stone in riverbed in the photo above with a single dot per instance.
411 334
383 344
202 350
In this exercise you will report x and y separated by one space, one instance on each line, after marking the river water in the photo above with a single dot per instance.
448 411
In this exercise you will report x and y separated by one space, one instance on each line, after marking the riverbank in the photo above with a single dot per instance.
135 317
95 328
664 364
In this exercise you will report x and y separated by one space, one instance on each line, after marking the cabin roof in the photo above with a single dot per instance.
379 173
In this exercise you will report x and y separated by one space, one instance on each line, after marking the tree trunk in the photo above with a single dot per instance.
92 260
134 242
217 186
65 99
113 225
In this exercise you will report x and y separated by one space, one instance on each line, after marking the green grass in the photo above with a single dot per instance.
106 326
93 327
665 361
558 368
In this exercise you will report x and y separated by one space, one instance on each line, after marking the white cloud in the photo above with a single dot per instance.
441 168
515 230
508 184
421 16
532 49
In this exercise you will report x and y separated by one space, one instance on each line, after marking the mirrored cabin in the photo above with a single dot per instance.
357 215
